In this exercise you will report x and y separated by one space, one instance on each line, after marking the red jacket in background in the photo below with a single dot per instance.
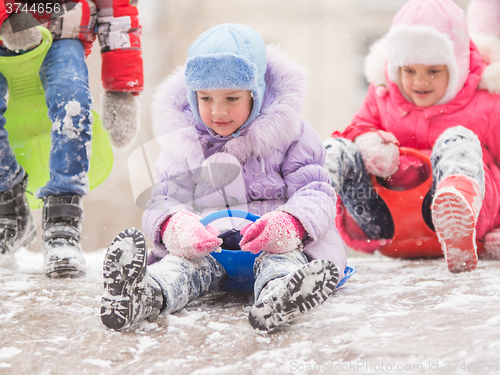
115 23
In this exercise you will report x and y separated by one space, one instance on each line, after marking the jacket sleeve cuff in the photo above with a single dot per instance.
122 70
163 227
352 131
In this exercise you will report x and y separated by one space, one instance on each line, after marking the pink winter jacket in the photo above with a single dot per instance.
418 127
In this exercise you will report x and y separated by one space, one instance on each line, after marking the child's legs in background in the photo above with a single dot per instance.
352 183
457 151
457 196
182 280
10 172
64 75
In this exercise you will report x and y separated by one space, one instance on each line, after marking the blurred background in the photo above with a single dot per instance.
330 38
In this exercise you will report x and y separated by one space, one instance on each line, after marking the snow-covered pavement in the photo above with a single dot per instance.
393 316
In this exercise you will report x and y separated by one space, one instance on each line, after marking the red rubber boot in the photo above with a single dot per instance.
455 209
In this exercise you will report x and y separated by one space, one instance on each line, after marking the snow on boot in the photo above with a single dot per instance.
130 295
455 209
284 298
61 237
17 225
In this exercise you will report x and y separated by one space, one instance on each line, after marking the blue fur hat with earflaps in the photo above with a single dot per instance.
227 56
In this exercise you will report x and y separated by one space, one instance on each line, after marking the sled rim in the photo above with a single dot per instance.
245 282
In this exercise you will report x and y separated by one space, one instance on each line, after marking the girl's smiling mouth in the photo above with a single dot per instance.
422 92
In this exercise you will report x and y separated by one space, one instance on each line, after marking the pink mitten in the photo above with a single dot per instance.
276 232
185 236
380 152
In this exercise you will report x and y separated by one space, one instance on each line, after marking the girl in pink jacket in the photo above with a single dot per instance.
425 93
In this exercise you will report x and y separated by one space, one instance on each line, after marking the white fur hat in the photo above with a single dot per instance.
430 32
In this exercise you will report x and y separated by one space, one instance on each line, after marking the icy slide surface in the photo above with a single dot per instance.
391 313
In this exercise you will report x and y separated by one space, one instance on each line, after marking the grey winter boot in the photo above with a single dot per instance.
17 226
61 222
284 298
130 295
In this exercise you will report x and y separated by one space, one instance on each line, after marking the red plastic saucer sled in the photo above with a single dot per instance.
413 238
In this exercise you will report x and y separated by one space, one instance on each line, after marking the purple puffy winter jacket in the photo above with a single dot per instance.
279 156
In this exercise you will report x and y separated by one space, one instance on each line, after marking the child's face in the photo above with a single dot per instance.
224 111
424 84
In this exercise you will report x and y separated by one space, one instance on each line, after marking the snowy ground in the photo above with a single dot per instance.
392 317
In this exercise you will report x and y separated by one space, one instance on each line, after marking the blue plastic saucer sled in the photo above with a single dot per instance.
239 264
29 126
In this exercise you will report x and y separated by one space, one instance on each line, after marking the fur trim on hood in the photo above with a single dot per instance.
227 56
278 125
489 48
376 62
484 17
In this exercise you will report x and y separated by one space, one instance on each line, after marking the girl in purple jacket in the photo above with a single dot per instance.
231 136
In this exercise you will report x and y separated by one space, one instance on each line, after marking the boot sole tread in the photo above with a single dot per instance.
293 300
455 227
119 280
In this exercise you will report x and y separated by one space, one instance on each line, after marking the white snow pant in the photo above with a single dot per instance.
268 267
457 151
183 280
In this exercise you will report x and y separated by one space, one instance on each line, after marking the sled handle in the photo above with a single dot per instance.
408 151
229 213
348 272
